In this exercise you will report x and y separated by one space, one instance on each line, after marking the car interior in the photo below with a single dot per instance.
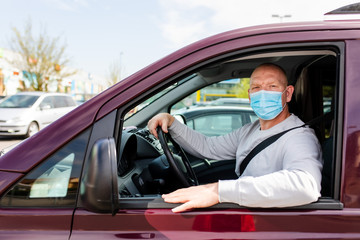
148 166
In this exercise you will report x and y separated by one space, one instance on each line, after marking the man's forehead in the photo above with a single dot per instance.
267 74
269 79
265 78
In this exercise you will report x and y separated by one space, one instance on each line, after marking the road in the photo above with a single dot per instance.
6 142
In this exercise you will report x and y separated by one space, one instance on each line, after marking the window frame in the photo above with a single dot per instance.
338 48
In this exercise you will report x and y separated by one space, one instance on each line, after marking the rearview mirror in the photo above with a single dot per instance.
99 187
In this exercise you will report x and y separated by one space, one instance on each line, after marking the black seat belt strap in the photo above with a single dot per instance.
268 141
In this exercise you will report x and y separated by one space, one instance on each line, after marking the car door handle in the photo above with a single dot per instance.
135 235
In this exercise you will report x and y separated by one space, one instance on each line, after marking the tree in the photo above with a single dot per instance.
42 59
241 89
114 72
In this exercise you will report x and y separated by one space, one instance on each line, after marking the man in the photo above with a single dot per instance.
286 173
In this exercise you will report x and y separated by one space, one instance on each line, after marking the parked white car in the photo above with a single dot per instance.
25 113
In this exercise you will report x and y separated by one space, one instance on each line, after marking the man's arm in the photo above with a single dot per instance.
217 147
195 143
279 189
297 184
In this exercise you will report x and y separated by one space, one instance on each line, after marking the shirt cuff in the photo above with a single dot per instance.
175 128
228 191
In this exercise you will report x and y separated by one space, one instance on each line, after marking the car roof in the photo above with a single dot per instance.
36 93
231 100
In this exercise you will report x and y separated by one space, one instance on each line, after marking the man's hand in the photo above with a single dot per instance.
162 119
193 197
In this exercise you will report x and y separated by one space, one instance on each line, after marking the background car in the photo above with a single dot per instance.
216 120
25 113
237 102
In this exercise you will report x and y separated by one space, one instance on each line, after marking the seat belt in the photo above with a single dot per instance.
268 141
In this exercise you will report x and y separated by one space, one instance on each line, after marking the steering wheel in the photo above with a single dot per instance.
180 166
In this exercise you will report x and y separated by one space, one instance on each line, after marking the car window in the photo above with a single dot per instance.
54 182
229 92
19 101
217 109
47 102
60 101
157 96
70 102
202 101
217 124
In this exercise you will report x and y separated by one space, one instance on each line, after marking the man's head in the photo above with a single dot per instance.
268 77
270 81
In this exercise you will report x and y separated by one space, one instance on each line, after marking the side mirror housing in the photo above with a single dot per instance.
180 118
99 187
45 107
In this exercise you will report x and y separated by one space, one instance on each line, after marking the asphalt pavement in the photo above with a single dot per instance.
6 142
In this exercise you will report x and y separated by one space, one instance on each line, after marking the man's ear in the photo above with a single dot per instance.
249 94
289 92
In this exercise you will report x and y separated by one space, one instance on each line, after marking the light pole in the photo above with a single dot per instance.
281 16
120 63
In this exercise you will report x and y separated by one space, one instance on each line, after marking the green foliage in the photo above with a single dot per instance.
241 89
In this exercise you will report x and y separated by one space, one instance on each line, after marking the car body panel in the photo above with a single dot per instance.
35 223
8 178
351 132
218 224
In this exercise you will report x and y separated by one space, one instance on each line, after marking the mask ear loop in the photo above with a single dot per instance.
285 99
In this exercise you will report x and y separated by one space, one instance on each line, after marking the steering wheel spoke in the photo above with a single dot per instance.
181 168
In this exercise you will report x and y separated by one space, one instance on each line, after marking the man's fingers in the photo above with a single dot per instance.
163 120
182 208
175 199
164 127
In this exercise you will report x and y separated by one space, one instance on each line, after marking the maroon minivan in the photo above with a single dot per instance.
97 173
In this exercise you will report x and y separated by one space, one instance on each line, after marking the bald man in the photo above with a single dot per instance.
286 173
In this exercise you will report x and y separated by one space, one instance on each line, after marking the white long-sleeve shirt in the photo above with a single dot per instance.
286 173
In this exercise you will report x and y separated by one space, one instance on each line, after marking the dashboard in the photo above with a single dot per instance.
142 166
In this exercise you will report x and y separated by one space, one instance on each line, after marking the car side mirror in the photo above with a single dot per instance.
45 107
180 118
99 187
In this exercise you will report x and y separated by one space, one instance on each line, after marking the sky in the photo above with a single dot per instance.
136 33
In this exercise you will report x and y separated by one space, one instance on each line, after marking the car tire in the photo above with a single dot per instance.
32 129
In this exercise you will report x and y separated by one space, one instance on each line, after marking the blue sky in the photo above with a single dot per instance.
136 33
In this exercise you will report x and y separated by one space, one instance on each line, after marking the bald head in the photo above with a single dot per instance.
269 71
270 77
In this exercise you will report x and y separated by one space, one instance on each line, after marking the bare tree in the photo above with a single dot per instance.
43 58
115 71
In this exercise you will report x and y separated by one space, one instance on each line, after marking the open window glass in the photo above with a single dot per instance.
213 100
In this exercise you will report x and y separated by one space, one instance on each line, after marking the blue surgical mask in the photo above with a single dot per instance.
267 105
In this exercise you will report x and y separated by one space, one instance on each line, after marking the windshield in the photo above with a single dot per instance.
156 97
19 101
